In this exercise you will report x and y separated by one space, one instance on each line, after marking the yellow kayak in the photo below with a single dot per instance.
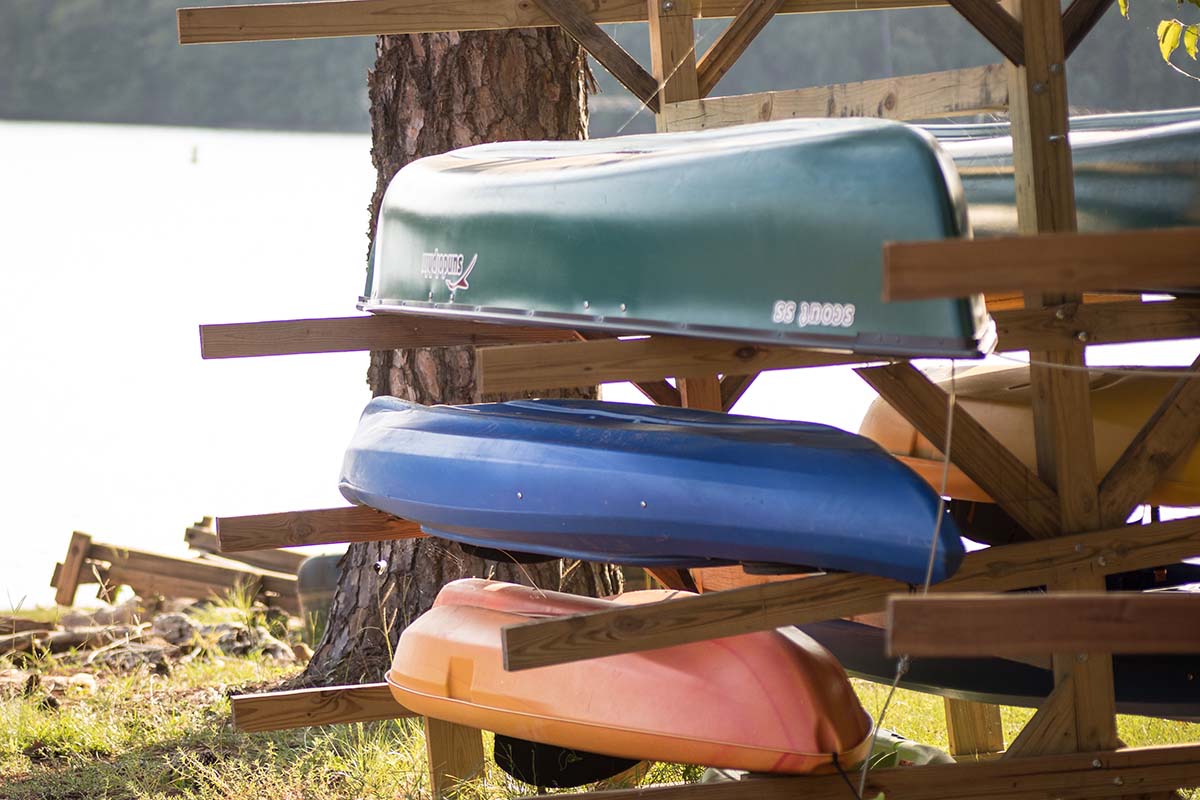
1000 399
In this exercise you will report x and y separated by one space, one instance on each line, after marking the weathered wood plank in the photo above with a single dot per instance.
319 526
978 625
272 559
218 576
1066 325
733 41
576 21
66 578
811 599
936 94
1045 199
1052 728
1172 430
973 449
368 332
1069 776
672 52
332 18
974 729
454 754
1050 262
996 25
328 705
561 364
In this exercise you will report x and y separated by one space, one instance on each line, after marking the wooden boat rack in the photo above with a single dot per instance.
1035 285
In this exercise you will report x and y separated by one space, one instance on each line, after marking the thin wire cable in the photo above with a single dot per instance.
644 105
1181 372
903 662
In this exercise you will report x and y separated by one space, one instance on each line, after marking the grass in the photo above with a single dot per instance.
146 736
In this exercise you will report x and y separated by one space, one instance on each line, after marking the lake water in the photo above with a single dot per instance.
116 242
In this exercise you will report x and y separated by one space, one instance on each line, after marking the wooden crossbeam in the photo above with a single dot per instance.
333 18
978 453
935 94
368 332
996 25
1067 325
320 526
519 367
659 392
795 602
977 625
576 21
1172 430
328 705
1079 19
1145 260
733 41
1069 776
974 729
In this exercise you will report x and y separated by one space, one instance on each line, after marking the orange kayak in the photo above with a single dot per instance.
1000 399
765 702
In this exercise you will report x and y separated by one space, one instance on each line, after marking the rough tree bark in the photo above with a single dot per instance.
430 94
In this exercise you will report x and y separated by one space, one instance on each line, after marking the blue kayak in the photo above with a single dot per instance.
648 486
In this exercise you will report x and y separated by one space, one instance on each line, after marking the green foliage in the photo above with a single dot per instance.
1172 32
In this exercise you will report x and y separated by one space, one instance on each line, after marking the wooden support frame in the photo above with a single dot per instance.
767 606
455 755
1049 262
367 332
67 578
980 455
519 367
935 94
978 625
334 18
1068 776
318 526
1079 19
326 705
974 729
732 389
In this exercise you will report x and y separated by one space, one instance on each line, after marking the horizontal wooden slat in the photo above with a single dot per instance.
935 94
368 332
320 526
1099 323
270 559
562 364
1073 776
191 569
1031 624
1149 260
331 705
767 606
329 18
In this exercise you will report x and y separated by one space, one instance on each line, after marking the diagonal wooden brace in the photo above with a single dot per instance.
733 41
980 455
996 25
573 19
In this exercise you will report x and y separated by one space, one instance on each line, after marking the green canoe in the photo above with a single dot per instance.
1132 171
767 233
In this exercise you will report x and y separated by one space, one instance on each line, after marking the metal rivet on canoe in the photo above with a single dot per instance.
431 297
586 304
622 306
643 504
520 495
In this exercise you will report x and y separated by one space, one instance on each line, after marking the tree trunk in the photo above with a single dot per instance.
430 94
